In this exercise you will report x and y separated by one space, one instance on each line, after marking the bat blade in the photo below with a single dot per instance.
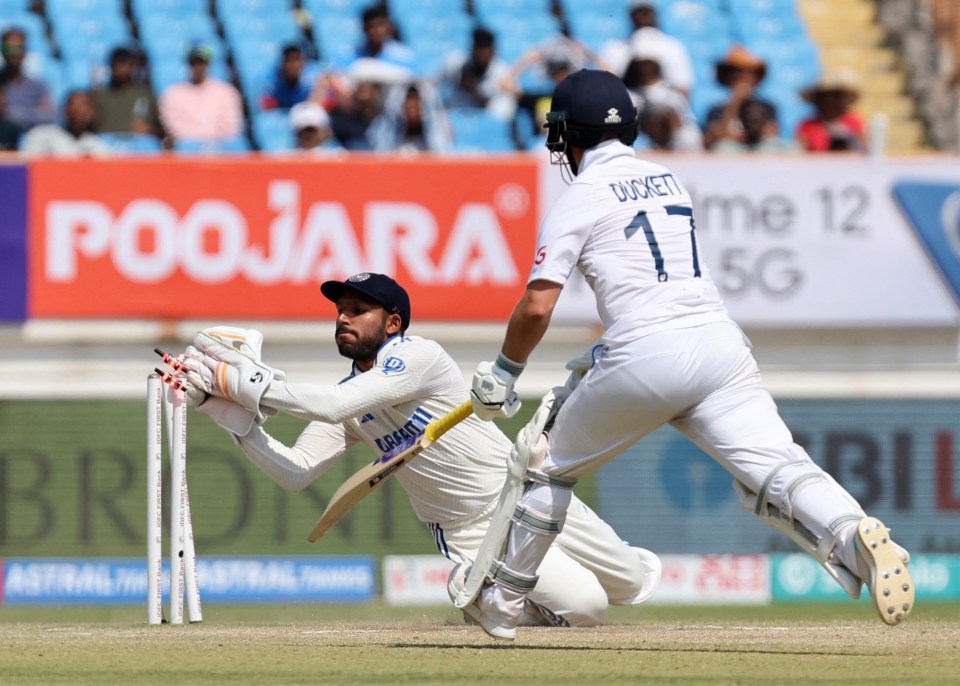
366 480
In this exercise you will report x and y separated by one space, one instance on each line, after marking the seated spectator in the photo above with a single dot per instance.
473 80
761 132
380 39
126 104
833 127
555 58
28 99
659 126
204 108
672 54
644 80
75 138
356 100
291 82
413 120
311 127
9 131
741 71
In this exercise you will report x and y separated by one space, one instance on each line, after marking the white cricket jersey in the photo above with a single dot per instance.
628 225
413 381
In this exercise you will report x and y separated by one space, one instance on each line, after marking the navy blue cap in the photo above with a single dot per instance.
380 287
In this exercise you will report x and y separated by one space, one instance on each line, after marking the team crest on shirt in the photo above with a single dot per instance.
393 365
613 116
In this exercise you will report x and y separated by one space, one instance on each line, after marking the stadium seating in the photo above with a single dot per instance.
14 6
271 131
70 49
132 143
476 130
239 144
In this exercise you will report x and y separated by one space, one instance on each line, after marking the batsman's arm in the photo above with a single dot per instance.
530 319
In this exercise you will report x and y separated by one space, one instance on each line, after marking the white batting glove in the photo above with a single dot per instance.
579 366
492 393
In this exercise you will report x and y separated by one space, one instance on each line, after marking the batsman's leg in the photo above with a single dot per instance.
537 520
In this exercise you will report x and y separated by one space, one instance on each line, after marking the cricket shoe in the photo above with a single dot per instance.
496 627
882 565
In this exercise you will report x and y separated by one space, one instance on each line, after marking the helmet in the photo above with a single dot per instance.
586 106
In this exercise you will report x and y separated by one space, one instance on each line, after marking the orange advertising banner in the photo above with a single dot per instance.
254 238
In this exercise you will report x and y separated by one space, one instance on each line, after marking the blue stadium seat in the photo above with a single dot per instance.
790 62
91 38
14 6
239 28
132 143
240 144
262 8
476 130
516 35
337 37
335 8
160 33
433 51
145 8
485 9
603 8
594 29
59 9
406 9
751 27
762 8
272 132
434 37
692 21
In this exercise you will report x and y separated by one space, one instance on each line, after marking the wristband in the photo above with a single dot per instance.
512 368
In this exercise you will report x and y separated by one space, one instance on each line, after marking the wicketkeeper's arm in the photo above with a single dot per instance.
318 448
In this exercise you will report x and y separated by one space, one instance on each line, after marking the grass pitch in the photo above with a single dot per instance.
822 644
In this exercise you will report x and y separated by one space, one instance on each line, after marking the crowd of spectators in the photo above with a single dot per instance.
376 98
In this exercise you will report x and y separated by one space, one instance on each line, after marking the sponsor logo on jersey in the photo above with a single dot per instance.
393 365
407 433
933 211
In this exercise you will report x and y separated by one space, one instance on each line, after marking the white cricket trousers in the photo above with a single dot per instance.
704 382
587 567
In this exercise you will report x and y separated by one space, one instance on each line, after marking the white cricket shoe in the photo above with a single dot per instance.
883 568
503 629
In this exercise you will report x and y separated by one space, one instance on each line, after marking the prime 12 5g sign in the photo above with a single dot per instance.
807 241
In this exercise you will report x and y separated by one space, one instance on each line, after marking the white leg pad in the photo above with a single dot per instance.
819 539
528 448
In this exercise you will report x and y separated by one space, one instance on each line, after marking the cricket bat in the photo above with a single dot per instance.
366 480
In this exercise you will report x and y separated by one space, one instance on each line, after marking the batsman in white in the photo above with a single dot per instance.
670 354
397 385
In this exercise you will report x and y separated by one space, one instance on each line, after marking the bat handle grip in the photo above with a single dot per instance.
439 427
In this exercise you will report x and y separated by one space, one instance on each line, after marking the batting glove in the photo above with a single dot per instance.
492 393
579 366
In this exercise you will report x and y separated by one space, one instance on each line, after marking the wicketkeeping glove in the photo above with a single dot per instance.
492 393
225 362
231 416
